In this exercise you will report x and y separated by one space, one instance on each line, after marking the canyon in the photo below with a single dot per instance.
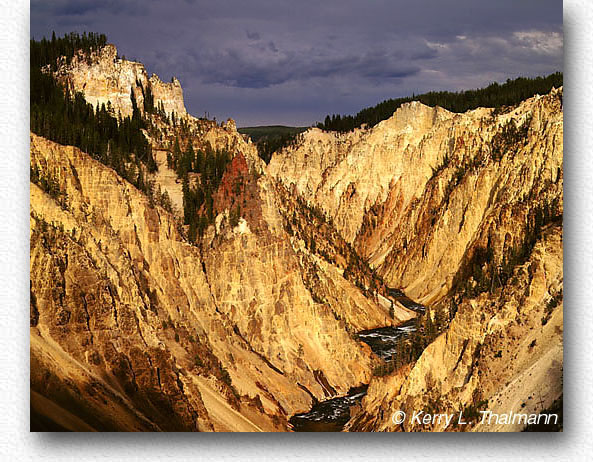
134 327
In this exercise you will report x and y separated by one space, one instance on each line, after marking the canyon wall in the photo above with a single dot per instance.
464 213
413 193
503 352
130 323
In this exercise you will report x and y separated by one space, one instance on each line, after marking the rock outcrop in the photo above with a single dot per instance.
105 78
203 135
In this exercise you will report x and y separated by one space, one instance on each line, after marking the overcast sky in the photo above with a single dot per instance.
292 62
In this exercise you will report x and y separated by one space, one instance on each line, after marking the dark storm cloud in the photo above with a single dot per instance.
266 66
252 35
263 61
68 8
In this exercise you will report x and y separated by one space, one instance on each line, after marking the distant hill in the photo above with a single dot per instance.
495 95
270 138
269 131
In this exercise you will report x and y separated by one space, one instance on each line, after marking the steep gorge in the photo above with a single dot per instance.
464 213
135 328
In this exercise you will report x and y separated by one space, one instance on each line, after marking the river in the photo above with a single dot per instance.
332 414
